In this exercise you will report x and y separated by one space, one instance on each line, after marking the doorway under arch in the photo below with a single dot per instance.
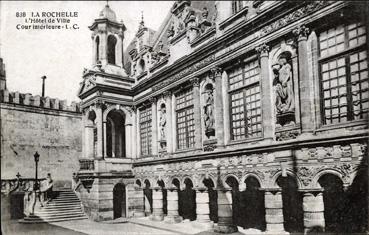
148 197
187 199
119 201
213 198
253 205
292 204
115 134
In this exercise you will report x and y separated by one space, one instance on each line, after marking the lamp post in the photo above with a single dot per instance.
43 85
37 157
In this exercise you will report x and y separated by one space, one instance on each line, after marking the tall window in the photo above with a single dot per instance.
245 101
344 73
185 122
97 48
112 41
237 6
145 131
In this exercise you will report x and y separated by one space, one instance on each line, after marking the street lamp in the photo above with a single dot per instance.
37 157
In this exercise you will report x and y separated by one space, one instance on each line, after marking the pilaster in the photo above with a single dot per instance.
305 85
219 123
197 112
154 126
266 86
169 113
99 127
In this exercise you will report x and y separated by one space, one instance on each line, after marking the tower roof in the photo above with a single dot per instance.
108 13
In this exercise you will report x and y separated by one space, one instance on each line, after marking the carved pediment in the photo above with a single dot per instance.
88 83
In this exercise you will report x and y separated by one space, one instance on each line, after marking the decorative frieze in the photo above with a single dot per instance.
294 16
185 72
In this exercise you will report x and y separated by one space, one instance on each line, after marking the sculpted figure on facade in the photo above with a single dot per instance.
284 96
162 122
209 111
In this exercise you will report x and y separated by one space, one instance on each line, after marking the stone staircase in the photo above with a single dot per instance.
65 206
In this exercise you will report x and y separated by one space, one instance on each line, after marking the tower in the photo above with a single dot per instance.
107 39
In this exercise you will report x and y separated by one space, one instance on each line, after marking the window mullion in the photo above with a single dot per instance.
350 105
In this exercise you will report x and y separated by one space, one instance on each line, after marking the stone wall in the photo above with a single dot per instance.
48 126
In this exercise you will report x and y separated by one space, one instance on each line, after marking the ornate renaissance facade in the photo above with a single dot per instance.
233 113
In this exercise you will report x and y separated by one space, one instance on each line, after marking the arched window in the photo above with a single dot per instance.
112 41
97 43
142 66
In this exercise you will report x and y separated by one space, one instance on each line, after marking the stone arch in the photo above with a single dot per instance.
120 108
210 184
273 182
319 174
138 182
225 177
252 174
175 182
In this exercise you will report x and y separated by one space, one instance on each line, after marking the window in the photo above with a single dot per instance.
97 48
145 131
185 121
344 73
245 101
112 41
237 6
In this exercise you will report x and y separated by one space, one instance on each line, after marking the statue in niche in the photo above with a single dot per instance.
209 111
283 87
162 122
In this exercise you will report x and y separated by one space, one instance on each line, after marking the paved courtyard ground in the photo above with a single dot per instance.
137 226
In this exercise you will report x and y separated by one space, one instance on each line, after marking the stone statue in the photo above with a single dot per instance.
162 122
283 86
204 13
209 113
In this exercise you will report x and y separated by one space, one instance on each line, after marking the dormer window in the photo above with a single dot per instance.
237 6
112 41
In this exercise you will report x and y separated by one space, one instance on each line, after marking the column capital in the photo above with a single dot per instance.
216 72
263 50
195 81
99 104
167 94
152 100
301 32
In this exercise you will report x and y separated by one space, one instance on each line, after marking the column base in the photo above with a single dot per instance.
138 214
275 229
225 228
203 224
173 219
148 213
156 217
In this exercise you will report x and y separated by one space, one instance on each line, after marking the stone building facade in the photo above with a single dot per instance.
31 123
233 113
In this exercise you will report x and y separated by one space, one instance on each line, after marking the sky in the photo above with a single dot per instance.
62 54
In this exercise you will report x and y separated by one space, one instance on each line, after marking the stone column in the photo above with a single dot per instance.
169 111
197 112
225 212
172 200
94 55
154 126
100 134
219 126
313 206
305 83
157 204
202 207
226 111
267 94
138 201
274 211
138 136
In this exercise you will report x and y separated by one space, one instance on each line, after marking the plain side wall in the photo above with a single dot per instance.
54 134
